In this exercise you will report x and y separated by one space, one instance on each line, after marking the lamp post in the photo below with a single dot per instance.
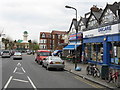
76 27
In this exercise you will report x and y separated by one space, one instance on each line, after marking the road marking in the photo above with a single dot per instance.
20 80
88 82
19 73
15 70
23 70
31 83
8 82
18 64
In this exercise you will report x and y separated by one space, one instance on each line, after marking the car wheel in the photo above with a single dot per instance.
62 69
47 68
43 65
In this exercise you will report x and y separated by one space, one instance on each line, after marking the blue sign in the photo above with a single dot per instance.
105 29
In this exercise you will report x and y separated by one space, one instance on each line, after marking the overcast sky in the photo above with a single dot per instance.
35 16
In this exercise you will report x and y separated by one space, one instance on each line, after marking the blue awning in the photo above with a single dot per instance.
70 47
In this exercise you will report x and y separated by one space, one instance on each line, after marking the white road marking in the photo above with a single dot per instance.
15 70
19 73
31 83
23 70
18 64
8 82
20 80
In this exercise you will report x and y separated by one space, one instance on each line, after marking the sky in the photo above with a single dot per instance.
35 16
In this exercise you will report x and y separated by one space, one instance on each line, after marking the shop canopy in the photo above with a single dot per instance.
70 47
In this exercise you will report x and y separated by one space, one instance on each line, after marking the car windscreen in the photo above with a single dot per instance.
44 53
6 52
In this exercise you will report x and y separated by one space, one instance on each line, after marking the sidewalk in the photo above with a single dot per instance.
69 66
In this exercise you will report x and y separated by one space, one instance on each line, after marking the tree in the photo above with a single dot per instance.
6 42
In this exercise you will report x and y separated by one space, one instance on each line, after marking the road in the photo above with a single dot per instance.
27 73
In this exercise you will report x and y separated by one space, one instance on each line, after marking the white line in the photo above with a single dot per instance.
18 64
8 82
19 73
23 70
20 80
31 83
15 70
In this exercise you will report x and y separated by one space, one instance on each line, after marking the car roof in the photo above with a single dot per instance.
43 51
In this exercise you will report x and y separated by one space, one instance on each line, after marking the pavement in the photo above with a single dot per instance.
70 67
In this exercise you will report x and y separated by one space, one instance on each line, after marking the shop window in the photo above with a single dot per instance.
94 51
115 53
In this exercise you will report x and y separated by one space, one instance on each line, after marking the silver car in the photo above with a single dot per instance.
6 53
53 62
17 55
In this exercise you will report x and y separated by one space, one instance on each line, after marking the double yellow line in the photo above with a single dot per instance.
88 82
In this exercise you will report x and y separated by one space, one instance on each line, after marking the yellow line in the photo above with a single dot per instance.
88 82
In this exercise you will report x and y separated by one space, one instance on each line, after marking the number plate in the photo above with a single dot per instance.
57 63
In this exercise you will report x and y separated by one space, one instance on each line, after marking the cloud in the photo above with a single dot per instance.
37 16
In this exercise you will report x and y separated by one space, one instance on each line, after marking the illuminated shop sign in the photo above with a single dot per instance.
73 36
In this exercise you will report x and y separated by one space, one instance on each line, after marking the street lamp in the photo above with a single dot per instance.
76 27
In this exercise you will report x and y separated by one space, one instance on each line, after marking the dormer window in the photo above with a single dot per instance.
109 16
43 35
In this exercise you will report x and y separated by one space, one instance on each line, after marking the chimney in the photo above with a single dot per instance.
95 8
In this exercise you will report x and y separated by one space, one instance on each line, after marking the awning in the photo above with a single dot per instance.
70 47
56 52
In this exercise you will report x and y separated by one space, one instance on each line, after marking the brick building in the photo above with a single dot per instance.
52 41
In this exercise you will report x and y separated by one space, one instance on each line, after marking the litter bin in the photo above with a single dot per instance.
105 71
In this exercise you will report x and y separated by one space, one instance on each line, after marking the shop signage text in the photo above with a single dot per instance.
107 30
104 29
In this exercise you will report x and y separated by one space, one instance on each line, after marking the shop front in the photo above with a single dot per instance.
102 46
73 47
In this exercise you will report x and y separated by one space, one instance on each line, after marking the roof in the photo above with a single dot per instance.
25 32
46 33
84 20
74 22
58 32
113 7
97 14
19 41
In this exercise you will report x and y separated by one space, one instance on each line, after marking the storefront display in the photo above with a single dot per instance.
94 52
115 53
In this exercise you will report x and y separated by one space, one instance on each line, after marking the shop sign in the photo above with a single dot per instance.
104 29
73 36
107 30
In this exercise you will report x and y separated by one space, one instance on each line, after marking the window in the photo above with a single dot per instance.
43 35
115 53
43 41
94 51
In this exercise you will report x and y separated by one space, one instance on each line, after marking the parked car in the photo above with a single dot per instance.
53 62
17 55
29 52
6 53
41 54
1 53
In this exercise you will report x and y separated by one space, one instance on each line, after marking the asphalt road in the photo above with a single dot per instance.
27 73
